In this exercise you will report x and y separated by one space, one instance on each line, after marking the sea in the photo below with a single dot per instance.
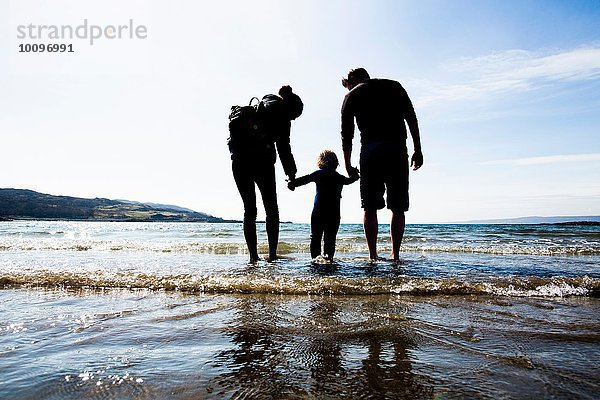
125 310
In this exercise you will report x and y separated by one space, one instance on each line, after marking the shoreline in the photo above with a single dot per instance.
226 221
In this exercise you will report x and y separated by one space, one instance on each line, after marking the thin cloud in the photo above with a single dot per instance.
577 64
556 159
511 71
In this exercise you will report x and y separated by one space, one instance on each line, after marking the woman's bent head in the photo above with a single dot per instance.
292 101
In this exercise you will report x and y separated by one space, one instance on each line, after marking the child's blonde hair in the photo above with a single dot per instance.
327 160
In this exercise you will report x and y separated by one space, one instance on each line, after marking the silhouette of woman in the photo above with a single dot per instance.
253 164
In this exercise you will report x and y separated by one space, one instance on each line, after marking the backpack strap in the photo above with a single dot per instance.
257 101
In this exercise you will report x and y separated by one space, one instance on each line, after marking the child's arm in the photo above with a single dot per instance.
303 180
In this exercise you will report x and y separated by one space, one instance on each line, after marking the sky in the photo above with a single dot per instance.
507 94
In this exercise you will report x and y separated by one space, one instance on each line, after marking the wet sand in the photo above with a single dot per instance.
145 344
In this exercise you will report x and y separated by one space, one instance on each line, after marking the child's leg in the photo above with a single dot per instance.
316 234
331 230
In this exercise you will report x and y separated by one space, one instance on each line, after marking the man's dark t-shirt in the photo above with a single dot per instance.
380 107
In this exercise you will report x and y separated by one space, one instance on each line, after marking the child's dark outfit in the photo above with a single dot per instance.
325 218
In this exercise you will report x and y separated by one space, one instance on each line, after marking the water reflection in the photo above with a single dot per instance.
319 348
253 364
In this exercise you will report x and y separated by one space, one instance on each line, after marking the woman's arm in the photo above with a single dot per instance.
284 149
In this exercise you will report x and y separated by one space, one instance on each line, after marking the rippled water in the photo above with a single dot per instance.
210 258
158 310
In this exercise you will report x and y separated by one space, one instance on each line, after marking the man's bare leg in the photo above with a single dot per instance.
397 231
371 230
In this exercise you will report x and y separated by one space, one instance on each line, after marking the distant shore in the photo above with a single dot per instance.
24 204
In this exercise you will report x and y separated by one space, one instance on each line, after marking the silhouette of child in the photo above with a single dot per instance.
325 218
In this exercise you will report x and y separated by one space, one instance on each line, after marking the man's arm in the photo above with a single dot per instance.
348 162
413 125
347 132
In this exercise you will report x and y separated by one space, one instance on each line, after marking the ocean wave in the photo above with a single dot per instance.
313 285
343 246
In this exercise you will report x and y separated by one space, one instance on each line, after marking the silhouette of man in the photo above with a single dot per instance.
381 107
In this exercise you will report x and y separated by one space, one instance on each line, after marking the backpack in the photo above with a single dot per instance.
249 125
243 124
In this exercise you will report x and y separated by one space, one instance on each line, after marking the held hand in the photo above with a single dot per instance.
291 184
353 172
416 160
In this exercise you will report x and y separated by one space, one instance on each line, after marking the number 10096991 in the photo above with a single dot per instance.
45 48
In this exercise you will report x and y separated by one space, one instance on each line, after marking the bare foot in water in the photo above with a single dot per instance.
377 259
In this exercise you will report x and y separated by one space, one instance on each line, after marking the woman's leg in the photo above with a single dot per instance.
265 181
245 184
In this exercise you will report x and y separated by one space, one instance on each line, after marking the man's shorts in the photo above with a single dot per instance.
384 165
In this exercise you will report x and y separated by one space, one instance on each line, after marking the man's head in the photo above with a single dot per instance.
355 76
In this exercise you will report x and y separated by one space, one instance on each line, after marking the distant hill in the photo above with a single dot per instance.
538 220
27 204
